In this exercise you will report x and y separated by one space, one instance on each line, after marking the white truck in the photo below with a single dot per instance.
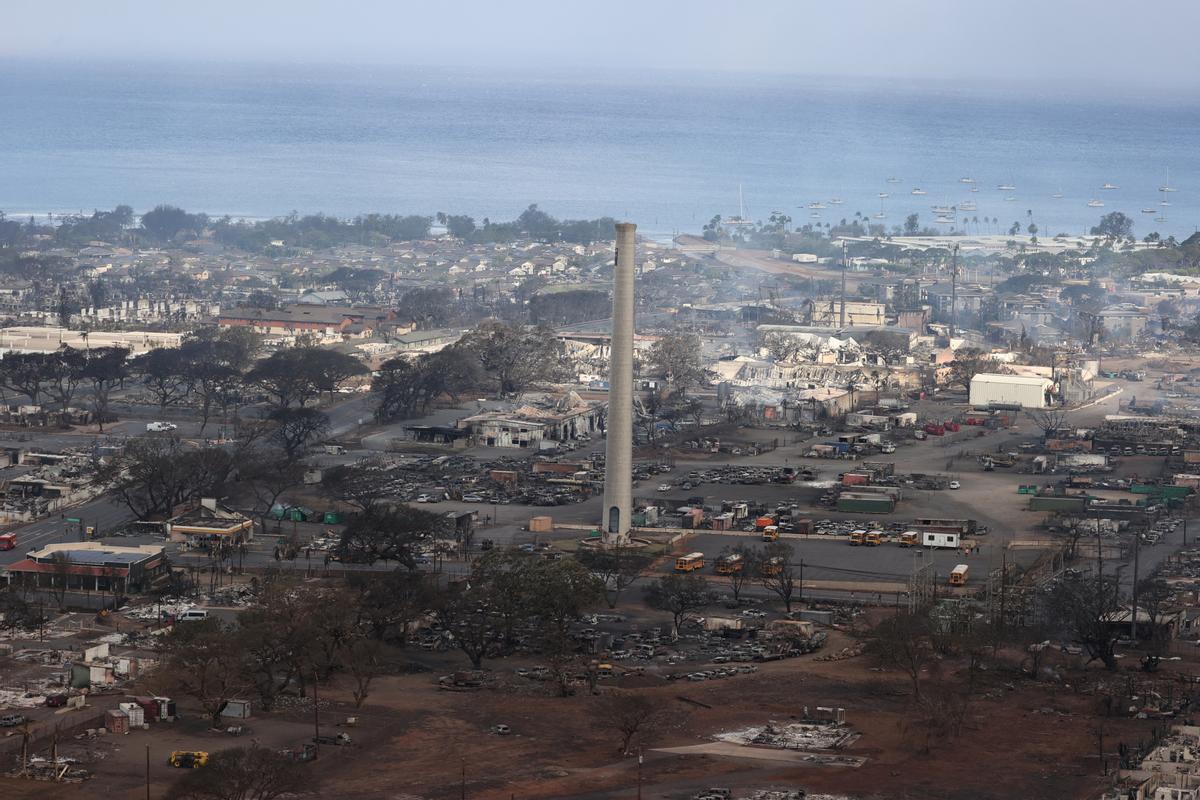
948 540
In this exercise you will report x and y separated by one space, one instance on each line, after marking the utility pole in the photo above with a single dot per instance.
316 720
147 772
801 587
1137 540
953 290
845 266
639 773
1003 584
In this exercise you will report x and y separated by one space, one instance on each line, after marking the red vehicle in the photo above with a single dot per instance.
934 429
8 541
951 426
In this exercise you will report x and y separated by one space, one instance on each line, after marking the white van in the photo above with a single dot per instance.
193 615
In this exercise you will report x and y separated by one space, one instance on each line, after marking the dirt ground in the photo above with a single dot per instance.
1018 738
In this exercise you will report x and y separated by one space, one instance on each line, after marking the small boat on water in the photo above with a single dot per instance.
1010 199
893 180
1058 195
944 220
918 191
837 201
966 180
1164 202
1149 210
944 210
974 188
1095 204
969 205
1006 187
1166 188
1109 187
816 205
883 195
740 218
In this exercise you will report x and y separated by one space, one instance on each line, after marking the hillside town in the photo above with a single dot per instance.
827 511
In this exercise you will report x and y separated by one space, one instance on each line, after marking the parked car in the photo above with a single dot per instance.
955 485
160 427
426 498
56 700
664 487
11 721
473 498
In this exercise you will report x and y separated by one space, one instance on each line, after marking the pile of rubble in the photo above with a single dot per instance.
794 735
846 652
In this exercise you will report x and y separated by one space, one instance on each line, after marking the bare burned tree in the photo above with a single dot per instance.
363 658
742 565
244 773
616 567
1048 420
1084 606
630 715
902 642
778 575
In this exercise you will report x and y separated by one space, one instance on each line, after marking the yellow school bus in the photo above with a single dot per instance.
772 566
689 562
730 564
958 575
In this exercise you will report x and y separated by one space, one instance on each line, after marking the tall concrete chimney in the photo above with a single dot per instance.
618 480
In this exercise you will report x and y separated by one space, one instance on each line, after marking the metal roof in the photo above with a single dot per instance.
1017 380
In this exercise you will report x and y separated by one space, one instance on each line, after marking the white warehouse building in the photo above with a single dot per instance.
1009 390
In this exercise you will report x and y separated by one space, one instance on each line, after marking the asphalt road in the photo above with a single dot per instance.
105 514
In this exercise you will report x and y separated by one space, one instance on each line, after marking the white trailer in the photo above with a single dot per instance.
931 539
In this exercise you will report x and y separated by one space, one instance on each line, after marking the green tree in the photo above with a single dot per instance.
389 534
294 428
514 355
104 368
165 222
676 357
165 374
1114 225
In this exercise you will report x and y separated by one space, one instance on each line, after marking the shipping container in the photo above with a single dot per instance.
1160 490
1053 503
940 525
866 504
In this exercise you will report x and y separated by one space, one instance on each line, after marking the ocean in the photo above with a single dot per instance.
667 151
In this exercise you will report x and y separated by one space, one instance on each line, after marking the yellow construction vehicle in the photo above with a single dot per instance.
188 759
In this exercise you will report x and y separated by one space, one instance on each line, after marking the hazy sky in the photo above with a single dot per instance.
1056 43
